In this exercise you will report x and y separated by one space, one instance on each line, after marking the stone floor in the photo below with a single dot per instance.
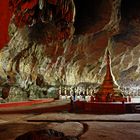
84 126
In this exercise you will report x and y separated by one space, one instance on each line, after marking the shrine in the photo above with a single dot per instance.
109 90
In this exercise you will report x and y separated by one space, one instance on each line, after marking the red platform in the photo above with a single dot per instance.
100 107
26 103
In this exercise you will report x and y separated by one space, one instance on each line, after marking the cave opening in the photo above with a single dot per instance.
91 15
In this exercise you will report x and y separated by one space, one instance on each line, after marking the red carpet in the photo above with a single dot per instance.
25 103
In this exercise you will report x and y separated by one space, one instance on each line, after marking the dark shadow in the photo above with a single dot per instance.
88 13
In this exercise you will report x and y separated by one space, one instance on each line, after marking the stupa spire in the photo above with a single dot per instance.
108 75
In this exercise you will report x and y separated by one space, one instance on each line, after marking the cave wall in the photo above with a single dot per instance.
109 24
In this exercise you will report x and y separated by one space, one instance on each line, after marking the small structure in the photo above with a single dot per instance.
109 91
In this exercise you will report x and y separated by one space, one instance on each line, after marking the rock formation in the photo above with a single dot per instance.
98 24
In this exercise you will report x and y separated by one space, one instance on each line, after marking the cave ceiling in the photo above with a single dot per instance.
68 45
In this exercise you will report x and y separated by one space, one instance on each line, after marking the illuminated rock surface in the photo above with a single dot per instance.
113 24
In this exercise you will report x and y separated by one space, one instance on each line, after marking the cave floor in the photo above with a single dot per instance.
87 127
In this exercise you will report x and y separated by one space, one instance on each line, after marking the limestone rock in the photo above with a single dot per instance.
111 23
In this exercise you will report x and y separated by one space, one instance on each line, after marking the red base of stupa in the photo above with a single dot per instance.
106 107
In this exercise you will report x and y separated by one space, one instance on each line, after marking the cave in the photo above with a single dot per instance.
56 87
91 15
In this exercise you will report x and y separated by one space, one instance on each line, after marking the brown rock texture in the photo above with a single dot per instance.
99 24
